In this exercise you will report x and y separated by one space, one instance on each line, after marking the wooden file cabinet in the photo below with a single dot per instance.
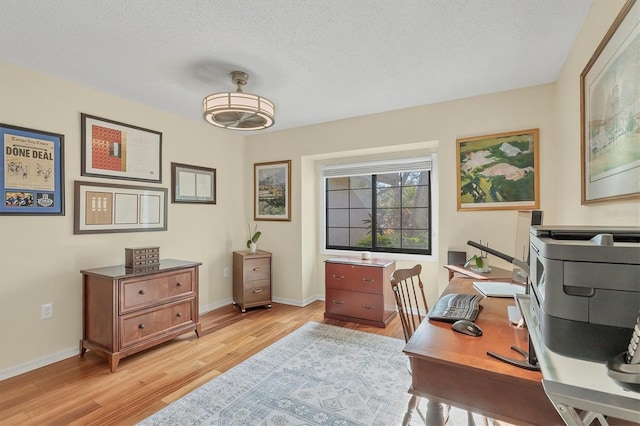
127 310
359 291
251 279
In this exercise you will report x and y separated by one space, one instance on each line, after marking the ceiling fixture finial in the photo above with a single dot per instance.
238 110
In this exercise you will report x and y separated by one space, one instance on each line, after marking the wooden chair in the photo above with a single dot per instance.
412 309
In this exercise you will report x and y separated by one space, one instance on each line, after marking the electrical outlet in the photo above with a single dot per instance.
226 272
46 311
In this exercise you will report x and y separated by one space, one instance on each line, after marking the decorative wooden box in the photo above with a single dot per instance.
141 256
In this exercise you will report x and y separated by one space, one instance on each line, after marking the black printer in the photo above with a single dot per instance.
585 288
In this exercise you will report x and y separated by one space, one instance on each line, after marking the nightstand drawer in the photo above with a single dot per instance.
257 291
257 269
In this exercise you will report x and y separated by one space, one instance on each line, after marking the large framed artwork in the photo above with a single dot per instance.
106 208
610 113
192 184
499 171
115 150
32 180
272 190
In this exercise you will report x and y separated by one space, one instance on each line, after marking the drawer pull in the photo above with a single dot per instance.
338 277
257 290
141 326
257 269
179 284
368 307
141 292
338 302
179 314
368 280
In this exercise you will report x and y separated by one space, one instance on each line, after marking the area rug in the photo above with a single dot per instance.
318 375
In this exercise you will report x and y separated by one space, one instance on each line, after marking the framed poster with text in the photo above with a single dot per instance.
32 180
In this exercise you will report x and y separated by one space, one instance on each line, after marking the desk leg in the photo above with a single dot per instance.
411 407
435 414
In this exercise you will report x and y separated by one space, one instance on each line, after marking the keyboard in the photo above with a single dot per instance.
455 306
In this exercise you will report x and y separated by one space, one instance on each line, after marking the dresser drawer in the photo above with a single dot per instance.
136 328
142 291
257 269
355 304
257 291
355 278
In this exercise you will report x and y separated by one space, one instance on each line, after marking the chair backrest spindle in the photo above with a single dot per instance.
410 299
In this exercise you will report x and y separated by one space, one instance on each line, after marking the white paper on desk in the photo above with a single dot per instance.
498 289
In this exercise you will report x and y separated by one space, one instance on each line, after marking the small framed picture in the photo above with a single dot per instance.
272 191
499 172
32 180
192 184
115 150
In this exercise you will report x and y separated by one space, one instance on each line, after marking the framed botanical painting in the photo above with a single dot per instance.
105 208
32 177
610 113
192 184
499 171
115 150
272 190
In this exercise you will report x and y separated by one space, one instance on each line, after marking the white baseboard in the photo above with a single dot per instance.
37 363
71 352
299 303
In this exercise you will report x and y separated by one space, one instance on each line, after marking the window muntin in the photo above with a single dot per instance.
395 218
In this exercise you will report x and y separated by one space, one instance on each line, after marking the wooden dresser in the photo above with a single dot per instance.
251 279
359 290
127 310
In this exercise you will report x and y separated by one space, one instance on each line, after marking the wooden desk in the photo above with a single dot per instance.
455 369
493 274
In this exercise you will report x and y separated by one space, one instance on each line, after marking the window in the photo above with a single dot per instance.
379 207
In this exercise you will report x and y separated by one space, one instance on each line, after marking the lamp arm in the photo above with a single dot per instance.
519 263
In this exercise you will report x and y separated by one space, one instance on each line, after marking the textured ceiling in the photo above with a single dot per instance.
316 60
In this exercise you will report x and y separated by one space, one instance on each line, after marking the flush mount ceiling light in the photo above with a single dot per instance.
238 110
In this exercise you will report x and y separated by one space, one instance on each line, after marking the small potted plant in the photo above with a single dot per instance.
479 263
252 242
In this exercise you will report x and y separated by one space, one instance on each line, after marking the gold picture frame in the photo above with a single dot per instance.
609 115
499 171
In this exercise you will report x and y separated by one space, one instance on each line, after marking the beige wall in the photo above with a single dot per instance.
40 258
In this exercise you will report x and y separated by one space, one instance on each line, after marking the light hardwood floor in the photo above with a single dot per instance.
82 391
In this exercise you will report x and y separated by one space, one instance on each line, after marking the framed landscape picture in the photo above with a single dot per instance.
272 190
610 113
499 171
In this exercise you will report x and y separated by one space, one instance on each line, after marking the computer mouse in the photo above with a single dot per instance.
467 327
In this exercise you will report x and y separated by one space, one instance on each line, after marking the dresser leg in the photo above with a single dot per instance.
82 349
114 360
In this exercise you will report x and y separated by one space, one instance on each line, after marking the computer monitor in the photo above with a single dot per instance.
526 218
